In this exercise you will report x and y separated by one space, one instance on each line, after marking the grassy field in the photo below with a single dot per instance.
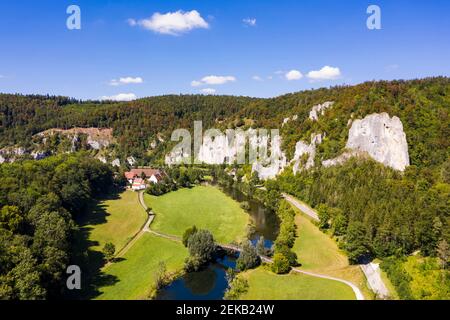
206 207
264 285
134 275
318 253
315 250
114 220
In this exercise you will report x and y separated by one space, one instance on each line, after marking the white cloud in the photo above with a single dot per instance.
126 80
196 83
293 75
257 78
120 97
326 73
250 22
213 80
208 91
172 23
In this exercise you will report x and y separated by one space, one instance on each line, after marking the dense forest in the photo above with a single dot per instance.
372 210
39 201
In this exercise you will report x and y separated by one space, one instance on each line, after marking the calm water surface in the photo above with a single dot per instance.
211 282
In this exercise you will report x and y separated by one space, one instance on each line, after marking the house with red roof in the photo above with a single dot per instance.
139 177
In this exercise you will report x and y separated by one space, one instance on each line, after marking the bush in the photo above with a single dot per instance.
248 259
109 250
280 264
192 264
201 247
288 229
236 288
398 276
188 234
289 254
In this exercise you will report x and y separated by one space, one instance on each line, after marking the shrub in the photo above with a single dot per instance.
236 288
109 250
248 259
201 248
192 264
188 234
289 254
280 264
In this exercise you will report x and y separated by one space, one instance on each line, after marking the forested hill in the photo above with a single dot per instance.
422 105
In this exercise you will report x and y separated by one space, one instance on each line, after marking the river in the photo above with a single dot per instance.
211 282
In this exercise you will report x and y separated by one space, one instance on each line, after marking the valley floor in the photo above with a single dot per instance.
132 276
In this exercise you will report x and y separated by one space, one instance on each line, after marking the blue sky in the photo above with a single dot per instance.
38 54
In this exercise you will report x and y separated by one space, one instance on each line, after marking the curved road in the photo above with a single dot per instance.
146 228
301 206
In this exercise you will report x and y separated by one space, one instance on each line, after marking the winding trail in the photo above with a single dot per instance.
147 229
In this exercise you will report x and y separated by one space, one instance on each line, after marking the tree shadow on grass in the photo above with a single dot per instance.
91 261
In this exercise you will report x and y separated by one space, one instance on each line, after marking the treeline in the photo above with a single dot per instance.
284 258
38 203
422 105
176 178
136 125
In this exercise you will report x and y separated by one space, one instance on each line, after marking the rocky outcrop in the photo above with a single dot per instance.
287 120
96 138
221 149
115 163
10 154
302 149
272 166
131 161
319 110
383 138
380 137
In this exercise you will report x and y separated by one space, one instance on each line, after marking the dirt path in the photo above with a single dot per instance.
137 236
301 206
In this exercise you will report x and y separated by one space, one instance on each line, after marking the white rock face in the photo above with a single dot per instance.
302 149
131 161
221 149
383 138
102 160
319 110
276 162
116 163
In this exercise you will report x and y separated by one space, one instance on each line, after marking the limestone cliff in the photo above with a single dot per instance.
319 110
379 136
